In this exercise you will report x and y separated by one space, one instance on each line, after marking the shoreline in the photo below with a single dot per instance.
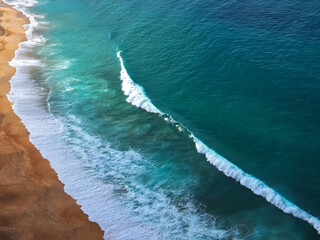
33 203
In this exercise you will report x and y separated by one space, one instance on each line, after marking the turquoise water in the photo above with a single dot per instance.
147 96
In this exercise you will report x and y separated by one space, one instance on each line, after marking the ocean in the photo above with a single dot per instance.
178 119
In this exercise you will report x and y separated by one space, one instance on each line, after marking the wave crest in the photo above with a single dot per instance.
138 98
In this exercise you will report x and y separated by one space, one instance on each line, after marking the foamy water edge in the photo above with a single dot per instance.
45 130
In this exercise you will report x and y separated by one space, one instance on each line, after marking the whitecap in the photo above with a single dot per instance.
136 96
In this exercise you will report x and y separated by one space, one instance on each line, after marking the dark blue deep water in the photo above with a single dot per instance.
202 116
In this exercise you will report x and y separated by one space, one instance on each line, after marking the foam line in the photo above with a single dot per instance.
255 185
135 93
137 97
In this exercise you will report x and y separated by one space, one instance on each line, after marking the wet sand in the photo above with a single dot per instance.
33 204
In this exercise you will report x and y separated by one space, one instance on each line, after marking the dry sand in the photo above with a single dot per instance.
33 204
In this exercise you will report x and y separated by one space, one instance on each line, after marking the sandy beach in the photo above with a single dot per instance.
33 204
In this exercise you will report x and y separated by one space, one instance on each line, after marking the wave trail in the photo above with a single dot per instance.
138 98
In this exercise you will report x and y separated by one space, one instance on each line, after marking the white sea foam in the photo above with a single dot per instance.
93 195
161 218
135 92
26 62
22 3
255 185
229 169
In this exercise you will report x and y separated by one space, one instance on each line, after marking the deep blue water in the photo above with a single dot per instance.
240 78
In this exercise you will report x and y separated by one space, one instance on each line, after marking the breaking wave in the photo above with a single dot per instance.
137 97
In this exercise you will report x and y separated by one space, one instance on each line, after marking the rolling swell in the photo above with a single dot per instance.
137 97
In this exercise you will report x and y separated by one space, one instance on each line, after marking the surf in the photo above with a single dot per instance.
79 158
136 96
